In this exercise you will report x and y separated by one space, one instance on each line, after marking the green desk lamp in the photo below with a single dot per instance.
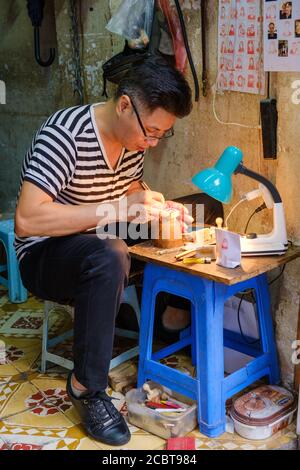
216 181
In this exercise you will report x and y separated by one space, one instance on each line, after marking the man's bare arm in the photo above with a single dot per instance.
134 186
38 215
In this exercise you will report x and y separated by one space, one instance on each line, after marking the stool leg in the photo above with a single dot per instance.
209 312
146 326
266 326
16 291
45 337
130 298
193 342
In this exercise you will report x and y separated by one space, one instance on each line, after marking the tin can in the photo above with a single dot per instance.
262 412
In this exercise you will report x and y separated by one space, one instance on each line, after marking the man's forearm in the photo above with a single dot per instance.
134 187
54 219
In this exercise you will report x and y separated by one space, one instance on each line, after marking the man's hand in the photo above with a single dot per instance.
186 219
141 206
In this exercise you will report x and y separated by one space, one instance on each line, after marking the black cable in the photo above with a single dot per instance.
203 39
188 51
253 213
277 277
257 210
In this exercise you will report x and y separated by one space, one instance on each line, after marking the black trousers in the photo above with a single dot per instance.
91 274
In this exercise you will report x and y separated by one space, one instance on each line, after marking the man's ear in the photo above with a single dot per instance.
123 105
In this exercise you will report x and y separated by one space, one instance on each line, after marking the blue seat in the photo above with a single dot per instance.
16 291
210 388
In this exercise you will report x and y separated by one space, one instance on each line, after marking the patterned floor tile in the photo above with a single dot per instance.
19 321
35 410
7 369
42 415
13 397
3 298
54 390
140 440
19 353
87 444
181 362
27 442
3 445
235 442
53 371
11 429
26 320
26 434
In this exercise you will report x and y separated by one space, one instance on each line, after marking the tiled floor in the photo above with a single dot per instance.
35 412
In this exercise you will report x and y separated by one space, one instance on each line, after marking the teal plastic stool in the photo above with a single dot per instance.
129 297
16 291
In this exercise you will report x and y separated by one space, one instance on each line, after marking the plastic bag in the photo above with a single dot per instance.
133 20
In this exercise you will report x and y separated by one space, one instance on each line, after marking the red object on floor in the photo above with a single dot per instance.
181 443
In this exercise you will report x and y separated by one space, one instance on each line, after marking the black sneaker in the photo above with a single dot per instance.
100 418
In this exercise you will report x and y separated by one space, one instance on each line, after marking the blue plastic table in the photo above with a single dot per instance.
207 287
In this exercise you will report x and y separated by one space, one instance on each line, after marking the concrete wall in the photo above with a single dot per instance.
34 92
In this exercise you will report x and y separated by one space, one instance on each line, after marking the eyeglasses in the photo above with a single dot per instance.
151 138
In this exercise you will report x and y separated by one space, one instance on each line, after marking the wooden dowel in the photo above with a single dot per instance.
297 366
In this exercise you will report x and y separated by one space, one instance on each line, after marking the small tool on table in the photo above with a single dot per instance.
185 253
196 260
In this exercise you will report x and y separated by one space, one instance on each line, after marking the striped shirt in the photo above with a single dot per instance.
68 161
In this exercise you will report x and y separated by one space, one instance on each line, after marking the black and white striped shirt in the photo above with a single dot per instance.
68 161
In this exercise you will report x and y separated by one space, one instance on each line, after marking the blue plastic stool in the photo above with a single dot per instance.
16 291
207 338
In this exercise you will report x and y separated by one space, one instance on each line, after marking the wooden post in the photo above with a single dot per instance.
297 383
297 366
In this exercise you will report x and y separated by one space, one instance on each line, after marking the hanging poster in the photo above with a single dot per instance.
282 36
240 64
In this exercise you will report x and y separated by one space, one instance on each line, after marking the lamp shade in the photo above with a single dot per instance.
216 181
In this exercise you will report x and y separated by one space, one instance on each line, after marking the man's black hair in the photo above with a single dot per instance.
156 84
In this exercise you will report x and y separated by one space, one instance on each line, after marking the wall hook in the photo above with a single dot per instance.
35 12
41 62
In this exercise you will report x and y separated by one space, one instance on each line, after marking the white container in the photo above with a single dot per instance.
262 412
161 424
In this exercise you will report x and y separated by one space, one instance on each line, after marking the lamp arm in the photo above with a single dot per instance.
256 176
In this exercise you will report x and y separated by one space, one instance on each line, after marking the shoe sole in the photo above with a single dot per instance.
110 443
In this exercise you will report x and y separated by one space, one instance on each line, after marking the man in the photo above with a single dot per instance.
286 11
297 28
272 34
80 159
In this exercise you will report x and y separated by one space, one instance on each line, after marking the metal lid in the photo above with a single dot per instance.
263 405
